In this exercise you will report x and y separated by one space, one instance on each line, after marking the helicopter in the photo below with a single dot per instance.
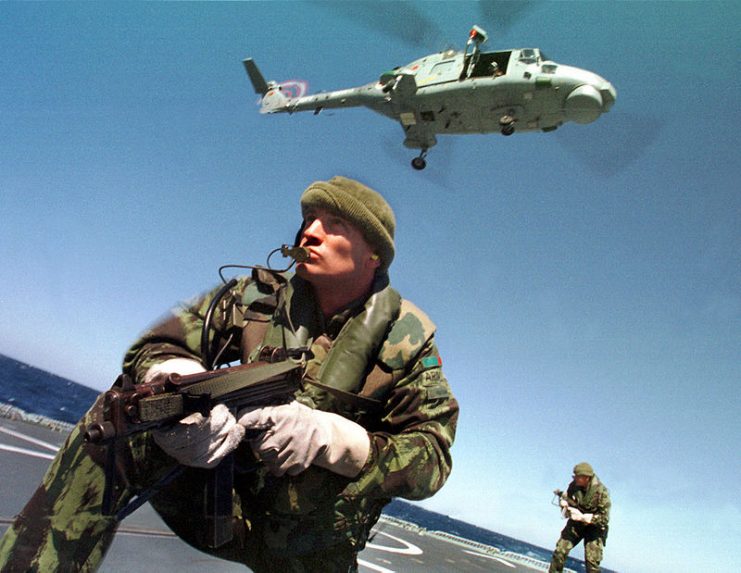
460 92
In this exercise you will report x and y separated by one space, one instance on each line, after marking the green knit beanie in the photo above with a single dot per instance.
583 469
363 207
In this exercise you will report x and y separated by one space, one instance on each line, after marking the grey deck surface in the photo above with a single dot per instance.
144 543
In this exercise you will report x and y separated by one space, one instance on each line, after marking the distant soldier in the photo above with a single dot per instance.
374 419
586 505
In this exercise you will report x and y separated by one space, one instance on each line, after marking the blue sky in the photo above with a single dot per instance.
586 283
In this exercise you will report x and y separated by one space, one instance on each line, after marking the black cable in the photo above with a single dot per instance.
205 346
293 253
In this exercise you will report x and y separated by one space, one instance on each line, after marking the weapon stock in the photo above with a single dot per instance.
129 409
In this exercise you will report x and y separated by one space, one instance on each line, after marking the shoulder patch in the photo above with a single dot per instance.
431 362
408 335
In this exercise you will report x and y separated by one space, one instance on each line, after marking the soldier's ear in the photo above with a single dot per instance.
375 261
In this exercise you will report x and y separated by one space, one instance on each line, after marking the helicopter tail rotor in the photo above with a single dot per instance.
274 96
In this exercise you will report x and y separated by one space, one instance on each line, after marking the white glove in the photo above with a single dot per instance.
174 366
577 515
201 442
297 436
564 508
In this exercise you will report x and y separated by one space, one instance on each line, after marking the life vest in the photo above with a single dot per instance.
352 374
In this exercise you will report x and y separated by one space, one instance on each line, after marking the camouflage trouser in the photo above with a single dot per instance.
62 527
571 535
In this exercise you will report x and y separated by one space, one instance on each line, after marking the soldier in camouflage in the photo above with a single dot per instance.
375 418
586 504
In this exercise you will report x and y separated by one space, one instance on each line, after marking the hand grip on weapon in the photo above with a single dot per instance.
173 366
201 442
563 502
577 515
296 436
196 441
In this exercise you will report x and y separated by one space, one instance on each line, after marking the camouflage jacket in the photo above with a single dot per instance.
594 499
382 350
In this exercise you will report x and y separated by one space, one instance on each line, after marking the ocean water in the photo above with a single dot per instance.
38 392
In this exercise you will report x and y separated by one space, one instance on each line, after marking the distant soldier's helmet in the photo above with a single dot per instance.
583 469
363 207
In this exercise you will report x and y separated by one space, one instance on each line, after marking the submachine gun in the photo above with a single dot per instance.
129 409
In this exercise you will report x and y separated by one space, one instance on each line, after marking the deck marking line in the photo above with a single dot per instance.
408 550
374 567
502 561
29 439
26 452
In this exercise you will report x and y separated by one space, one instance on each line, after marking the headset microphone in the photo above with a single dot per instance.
298 254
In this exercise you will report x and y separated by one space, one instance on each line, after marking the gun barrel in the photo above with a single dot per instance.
99 432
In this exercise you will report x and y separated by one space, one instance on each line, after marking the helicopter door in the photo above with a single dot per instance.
446 71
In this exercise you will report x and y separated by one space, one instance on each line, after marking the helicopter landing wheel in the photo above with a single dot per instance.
507 123
419 163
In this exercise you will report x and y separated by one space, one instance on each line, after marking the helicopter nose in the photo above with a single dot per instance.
587 102
609 95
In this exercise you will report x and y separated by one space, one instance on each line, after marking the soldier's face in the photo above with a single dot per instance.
338 251
582 481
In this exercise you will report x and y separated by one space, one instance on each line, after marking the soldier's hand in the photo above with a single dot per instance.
564 504
575 514
173 366
201 442
296 436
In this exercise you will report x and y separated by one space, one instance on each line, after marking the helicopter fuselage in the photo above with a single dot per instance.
454 92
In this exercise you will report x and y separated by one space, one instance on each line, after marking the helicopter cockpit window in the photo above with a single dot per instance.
549 67
528 56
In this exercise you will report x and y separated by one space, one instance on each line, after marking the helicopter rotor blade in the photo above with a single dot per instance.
608 146
408 23
500 15
398 20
